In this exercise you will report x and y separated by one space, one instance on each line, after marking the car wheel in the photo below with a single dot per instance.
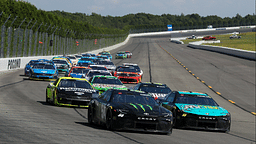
46 99
174 118
109 121
90 115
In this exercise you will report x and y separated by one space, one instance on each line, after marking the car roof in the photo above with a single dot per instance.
193 93
151 83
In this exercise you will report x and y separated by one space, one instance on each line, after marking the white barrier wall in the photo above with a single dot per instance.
230 51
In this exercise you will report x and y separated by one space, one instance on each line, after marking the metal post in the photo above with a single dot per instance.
3 37
20 38
10 38
30 41
25 40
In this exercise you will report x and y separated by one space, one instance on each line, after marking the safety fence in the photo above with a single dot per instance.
24 42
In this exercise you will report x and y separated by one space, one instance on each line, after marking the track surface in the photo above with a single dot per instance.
26 118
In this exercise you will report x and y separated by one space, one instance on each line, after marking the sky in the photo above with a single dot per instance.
221 8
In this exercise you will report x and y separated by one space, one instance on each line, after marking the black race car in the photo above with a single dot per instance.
129 110
196 110
156 90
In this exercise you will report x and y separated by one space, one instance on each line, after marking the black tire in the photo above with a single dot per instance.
90 115
109 121
46 98
174 119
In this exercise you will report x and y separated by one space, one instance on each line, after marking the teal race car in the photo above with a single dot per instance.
196 110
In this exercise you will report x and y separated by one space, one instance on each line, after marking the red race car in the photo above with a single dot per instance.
127 74
208 38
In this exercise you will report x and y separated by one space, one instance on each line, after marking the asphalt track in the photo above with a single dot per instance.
26 118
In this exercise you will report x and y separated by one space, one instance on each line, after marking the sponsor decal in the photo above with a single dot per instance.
200 106
157 95
77 89
13 64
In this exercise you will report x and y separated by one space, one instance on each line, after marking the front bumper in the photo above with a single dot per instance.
73 101
221 123
129 79
37 76
159 126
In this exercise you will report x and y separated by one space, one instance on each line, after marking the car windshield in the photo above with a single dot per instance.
126 69
152 88
86 59
43 66
60 61
83 64
74 83
121 53
72 57
80 70
195 99
98 68
105 80
133 98
106 63
91 74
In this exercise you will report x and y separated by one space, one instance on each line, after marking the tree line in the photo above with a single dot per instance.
25 15
81 25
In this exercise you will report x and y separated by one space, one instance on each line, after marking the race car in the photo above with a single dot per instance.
109 65
234 37
138 70
30 64
128 53
156 90
196 110
73 59
127 74
98 67
121 55
62 64
208 38
43 71
78 72
92 73
129 110
103 83
72 92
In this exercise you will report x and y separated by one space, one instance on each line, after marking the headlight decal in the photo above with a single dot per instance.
150 107
134 106
141 107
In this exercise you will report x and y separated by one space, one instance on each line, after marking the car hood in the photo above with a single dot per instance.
97 85
141 109
158 95
202 109
76 75
44 71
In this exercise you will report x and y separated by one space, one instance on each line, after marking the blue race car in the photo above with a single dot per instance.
42 70
196 110
32 62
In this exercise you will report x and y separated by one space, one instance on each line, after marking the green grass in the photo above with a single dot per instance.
247 41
